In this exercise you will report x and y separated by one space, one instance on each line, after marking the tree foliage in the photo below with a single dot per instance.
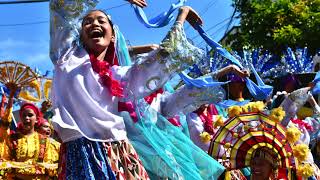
276 24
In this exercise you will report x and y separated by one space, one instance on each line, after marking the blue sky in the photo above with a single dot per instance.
30 43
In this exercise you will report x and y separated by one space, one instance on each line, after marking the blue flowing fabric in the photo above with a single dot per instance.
260 91
316 88
230 102
121 48
200 82
165 150
223 52
160 20
87 159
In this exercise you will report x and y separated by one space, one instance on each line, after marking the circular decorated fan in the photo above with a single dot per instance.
235 143
15 75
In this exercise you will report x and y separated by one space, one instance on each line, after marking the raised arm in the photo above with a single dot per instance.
65 24
188 99
135 50
186 13
174 55
231 69
140 3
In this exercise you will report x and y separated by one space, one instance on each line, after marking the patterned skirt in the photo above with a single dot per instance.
90 160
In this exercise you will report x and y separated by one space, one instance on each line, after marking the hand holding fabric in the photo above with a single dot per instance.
187 13
140 3
242 73
193 17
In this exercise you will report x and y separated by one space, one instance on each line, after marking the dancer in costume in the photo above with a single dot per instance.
89 84
203 122
44 127
251 138
36 156
5 119
5 143
164 148
295 100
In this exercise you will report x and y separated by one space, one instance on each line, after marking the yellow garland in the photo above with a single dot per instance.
26 96
301 152
46 88
293 134
28 148
4 151
234 111
52 151
205 137
305 170
277 114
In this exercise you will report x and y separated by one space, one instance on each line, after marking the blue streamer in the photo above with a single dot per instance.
230 102
258 91
316 88
160 20
223 52
317 77
200 82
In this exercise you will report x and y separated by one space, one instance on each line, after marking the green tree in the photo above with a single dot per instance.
275 24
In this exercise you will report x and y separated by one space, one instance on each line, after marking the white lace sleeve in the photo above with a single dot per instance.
65 23
151 71
187 100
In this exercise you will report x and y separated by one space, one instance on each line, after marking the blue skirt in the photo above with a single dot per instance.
84 159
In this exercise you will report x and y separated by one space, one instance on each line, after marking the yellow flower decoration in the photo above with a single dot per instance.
227 145
305 170
293 134
277 114
301 151
257 106
234 111
246 108
205 137
218 122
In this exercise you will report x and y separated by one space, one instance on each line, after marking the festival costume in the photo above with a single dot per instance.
5 155
86 111
249 130
164 149
200 122
35 155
